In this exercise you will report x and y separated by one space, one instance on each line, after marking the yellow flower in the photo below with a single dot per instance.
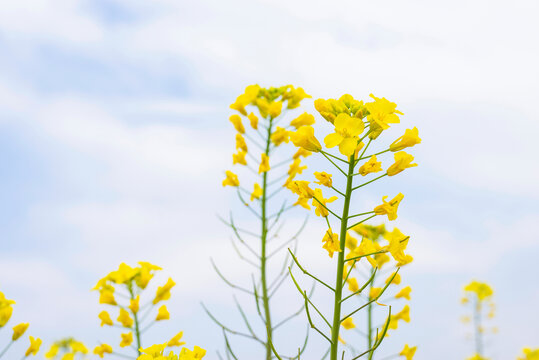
397 244
154 350
409 139
295 169
301 152
124 318
478 357
68 356
408 352
389 208
294 97
275 108
302 120
404 314
145 274
127 339
346 134
481 289
330 108
396 280
304 138
254 120
105 318
348 323
331 243
402 161
19 330
5 315
323 178
33 349
264 164
239 158
134 304
350 242
196 354
162 313
279 136
231 179
102 349
304 192
175 341
163 292
352 284
375 292
123 275
404 293
263 106
236 121
250 94
257 192
106 296
320 203
382 112
370 166
530 354
240 143
52 351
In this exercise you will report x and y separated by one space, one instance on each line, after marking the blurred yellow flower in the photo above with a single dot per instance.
162 313
231 179
19 330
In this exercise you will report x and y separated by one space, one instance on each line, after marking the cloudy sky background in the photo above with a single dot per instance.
114 139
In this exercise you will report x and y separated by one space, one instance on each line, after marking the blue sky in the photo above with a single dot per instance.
113 121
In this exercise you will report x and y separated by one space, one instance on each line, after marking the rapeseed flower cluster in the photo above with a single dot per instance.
479 296
157 352
6 311
529 354
123 289
355 126
67 349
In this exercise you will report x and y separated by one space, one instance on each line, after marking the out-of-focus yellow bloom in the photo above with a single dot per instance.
304 192
196 354
279 136
465 319
239 158
236 121
302 120
263 106
77 346
163 292
5 315
331 242
408 352
323 178
350 242
127 339
250 94
367 246
481 289
404 314
346 134
352 284
240 143
320 203
396 280
404 293
52 351
295 169
134 304
294 97
370 166
175 341
476 357
264 164
304 138
254 120
530 354
403 161
370 231
257 192
375 292
275 109
348 323
33 349
154 350
125 319
102 349
19 330
162 313
231 179
105 318
106 296
301 152
389 208
382 112
409 139
68 356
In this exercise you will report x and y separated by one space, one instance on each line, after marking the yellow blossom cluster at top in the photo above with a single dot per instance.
529 354
131 282
6 310
268 103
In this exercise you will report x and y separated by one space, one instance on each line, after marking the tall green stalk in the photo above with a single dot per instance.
340 263
263 259
135 317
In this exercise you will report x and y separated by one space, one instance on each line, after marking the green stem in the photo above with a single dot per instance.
6 348
263 256
340 263
369 321
137 325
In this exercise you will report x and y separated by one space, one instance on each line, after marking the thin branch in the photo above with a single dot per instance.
360 222
232 285
309 274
